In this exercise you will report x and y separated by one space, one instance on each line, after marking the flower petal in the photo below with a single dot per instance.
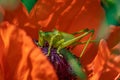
100 60
114 36
114 61
66 15
1 59
22 60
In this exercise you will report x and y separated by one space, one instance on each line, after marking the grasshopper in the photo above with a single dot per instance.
60 40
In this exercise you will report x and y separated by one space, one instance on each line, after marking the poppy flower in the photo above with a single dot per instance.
19 57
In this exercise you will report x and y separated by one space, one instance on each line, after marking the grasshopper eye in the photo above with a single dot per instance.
55 45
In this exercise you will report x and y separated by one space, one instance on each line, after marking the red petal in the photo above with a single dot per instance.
100 60
114 61
114 36
66 15
21 59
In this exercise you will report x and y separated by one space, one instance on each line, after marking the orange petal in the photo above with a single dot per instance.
66 15
21 19
71 15
1 59
100 60
114 36
90 54
114 61
82 14
117 77
22 60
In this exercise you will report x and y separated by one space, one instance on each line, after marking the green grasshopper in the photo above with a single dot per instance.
60 40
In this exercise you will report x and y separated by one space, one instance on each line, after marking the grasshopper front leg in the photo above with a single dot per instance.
51 43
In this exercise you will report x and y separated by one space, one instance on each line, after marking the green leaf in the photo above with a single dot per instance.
112 10
29 4
74 63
